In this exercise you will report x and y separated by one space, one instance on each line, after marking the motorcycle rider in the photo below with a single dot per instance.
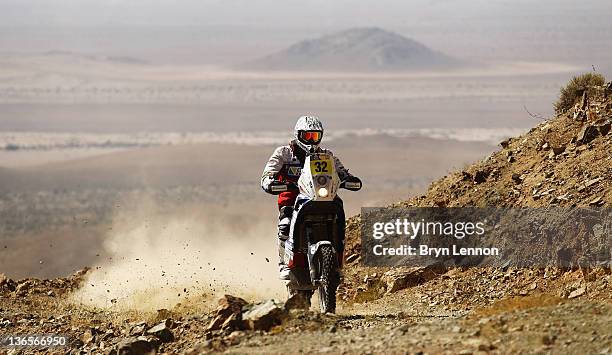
284 167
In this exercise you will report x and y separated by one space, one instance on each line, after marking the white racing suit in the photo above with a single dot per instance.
286 164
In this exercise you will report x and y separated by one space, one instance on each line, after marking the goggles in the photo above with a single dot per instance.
310 137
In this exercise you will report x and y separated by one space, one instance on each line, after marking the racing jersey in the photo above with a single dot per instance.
285 165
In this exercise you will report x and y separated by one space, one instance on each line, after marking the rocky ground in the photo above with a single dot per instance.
565 161
455 311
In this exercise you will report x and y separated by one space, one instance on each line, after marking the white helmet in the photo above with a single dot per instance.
308 132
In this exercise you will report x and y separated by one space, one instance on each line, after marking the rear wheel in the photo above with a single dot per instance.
329 279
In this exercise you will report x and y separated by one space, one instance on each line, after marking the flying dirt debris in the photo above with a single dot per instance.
429 310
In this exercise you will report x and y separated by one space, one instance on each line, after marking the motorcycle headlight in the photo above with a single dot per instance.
323 192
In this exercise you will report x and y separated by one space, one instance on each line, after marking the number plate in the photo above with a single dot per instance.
323 166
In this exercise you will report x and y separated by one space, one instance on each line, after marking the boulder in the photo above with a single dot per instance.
400 278
505 143
577 293
89 336
138 328
231 304
558 150
297 301
24 287
596 201
162 331
587 134
579 115
480 176
136 346
228 306
6 283
234 321
592 182
264 315
604 128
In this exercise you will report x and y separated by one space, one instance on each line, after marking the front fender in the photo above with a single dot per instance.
313 249
315 273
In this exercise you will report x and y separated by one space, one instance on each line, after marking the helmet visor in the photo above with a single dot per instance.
310 137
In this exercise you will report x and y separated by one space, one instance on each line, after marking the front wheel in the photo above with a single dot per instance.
329 279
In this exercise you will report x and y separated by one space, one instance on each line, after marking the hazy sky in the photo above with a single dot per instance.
221 31
290 12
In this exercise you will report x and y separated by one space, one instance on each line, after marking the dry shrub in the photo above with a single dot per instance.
575 88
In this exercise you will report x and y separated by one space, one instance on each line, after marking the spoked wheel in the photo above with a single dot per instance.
329 279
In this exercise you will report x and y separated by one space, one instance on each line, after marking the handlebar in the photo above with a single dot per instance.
276 187
351 183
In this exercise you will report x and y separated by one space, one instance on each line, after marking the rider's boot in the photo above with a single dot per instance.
283 269
284 225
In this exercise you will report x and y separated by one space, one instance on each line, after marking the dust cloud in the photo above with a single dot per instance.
155 260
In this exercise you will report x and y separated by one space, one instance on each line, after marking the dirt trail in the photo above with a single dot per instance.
533 315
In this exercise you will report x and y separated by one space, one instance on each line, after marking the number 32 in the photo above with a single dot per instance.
321 167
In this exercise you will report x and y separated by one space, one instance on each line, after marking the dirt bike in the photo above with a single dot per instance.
314 250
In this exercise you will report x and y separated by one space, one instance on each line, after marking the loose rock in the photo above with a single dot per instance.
587 134
228 306
263 316
162 331
136 346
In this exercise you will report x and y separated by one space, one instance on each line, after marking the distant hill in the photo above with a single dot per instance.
81 56
357 50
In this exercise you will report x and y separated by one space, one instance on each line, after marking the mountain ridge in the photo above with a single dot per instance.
361 49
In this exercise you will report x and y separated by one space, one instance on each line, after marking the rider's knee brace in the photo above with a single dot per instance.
284 222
